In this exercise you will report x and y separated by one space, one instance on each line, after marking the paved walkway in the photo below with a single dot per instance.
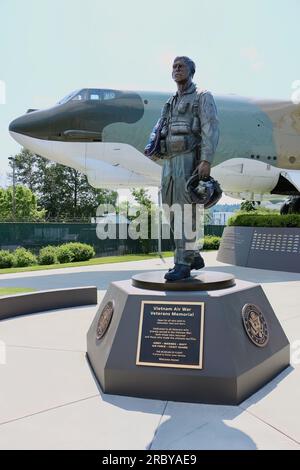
49 399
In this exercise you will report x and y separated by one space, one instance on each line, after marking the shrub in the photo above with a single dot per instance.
65 254
82 251
73 252
264 220
48 255
23 257
6 259
211 242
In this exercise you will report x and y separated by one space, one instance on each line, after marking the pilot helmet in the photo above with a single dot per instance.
153 145
203 191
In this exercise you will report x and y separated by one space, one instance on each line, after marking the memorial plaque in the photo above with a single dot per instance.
171 334
235 245
275 248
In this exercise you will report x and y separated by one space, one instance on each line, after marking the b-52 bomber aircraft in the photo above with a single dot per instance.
103 132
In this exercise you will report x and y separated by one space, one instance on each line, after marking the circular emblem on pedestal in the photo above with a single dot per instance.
105 319
255 325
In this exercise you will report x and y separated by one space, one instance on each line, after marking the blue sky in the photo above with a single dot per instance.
50 47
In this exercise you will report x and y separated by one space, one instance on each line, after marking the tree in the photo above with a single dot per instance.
25 169
142 197
26 208
62 191
248 206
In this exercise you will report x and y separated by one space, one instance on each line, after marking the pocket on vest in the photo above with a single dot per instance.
178 143
180 128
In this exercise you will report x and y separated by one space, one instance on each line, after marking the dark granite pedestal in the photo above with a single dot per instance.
218 343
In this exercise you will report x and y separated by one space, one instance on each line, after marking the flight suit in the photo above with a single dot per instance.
190 134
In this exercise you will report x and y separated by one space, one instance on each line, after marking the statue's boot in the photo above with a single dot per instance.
198 263
180 271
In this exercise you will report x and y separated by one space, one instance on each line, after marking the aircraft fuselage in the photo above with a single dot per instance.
103 134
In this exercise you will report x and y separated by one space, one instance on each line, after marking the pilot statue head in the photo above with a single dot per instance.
183 69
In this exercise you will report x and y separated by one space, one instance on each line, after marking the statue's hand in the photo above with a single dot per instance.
203 169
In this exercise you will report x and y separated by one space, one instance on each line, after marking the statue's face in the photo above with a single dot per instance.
181 71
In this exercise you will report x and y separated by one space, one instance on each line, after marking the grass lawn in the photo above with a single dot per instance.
14 290
91 262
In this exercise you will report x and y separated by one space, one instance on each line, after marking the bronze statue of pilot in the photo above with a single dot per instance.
188 140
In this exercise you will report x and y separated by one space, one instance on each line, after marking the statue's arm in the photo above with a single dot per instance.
209 127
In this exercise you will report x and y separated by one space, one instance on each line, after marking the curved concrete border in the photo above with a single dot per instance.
34 302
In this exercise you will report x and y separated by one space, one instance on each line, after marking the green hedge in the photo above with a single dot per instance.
23 258
72 252
211 242
48 255
264 220
6 259
67 253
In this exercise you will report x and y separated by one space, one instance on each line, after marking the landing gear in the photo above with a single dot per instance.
291 206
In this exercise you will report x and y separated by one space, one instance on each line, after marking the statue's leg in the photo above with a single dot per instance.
167 192
187 249
176 172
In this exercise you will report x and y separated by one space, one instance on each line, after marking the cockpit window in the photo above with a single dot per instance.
79 96
68 97
89 94
101 95
108 95
94 95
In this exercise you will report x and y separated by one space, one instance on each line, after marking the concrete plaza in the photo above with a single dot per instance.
50 400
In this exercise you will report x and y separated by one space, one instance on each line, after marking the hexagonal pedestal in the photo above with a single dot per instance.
232 366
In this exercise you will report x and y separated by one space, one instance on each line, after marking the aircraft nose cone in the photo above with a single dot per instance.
35 124
17 126
23 125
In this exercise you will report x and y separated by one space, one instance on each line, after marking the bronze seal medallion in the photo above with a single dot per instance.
105 319
255 325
